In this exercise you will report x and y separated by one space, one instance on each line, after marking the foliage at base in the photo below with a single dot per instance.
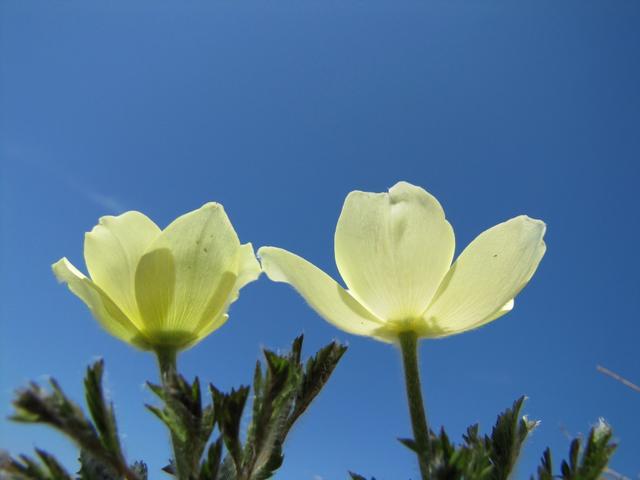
283 389
495 456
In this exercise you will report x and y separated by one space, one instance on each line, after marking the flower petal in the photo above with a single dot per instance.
489 273
248 266
188 271
112 319
248 271
112 251
324 295
209 328
393 249
503 310
155 285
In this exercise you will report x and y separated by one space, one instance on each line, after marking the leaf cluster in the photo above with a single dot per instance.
585 462
190 424
283 388
282 391
97 437
495 456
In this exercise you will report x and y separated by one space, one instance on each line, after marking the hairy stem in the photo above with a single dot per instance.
168 367
166 363
409 348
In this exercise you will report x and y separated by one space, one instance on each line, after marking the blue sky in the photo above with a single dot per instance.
278 109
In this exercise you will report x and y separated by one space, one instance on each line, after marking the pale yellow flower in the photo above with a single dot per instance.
162 289
394 252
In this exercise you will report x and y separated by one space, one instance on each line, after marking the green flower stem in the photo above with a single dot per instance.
409 348
167 364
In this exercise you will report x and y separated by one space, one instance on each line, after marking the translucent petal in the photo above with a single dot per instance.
503 310
248 271
210 327
248 266
393 249
431 330
112 251
112 319
324 295
188 272
489 273
155 285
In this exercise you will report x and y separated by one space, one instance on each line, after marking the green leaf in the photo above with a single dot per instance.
102 413
478 457
588 463
410 443
211 465
26 468
35 405
92 468
317 372
280 397
189 422
273 402
545 470
56 470
281 393
170 468
229 408
355 476
172 420
507 438
140 469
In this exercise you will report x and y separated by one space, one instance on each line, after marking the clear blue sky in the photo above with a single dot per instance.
277 109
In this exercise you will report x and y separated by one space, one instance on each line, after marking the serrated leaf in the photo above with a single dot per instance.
545 470
140 469
158 390
56 470
410 443
170 468
211 465
36 405
189 422
101 412
92 468
281 395
296 349
317 372
263 452
355 476
507 438
229 408
24 467
172 420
